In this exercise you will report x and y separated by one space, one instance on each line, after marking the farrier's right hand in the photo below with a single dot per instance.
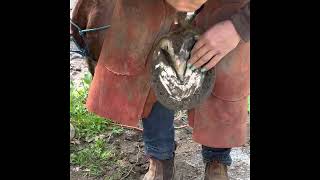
186 5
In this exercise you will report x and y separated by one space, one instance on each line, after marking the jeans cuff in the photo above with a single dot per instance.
221 155
225 159
160 155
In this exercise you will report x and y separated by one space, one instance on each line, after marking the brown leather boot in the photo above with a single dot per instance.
216 171
160 170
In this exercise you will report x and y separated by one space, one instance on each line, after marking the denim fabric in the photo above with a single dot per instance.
158 133
158 137
219 154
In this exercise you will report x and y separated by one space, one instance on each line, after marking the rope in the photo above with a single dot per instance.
85 51
75 25
95 29
80 50
83 31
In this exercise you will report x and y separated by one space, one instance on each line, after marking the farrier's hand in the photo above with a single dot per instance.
186 5
213 45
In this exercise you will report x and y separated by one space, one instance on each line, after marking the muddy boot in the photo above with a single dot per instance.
216 171
160 170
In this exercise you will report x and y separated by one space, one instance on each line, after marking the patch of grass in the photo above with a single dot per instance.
87 125
92 158
117 130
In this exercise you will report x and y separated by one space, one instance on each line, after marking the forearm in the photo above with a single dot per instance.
241 22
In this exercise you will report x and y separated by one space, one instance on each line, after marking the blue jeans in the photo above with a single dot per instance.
158 137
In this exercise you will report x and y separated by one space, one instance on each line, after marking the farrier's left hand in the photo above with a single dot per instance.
213 45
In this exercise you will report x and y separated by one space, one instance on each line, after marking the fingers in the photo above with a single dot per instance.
198 54
198 45
205 58
212 63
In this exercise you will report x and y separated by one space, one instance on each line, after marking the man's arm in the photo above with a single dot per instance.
220 39
241 22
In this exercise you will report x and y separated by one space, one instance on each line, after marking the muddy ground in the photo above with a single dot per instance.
132 164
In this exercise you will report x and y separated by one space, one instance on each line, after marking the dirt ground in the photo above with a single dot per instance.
133 164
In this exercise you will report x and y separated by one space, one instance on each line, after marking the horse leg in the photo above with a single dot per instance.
91 65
